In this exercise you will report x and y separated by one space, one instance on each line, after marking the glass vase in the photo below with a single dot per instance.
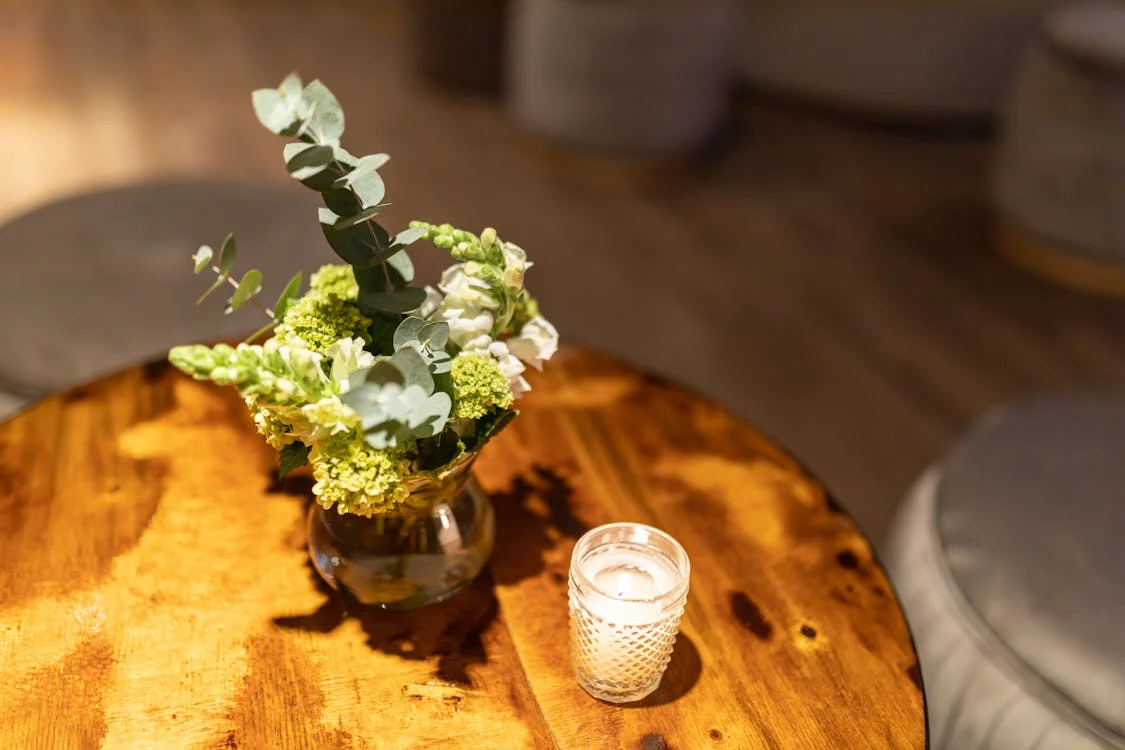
405 560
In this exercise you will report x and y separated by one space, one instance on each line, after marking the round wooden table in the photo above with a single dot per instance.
155 591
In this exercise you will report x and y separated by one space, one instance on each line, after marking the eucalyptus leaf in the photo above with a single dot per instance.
250 285
439 405
407 331
313 165
435 335
202 257
385 371
409 236
381 332
288 294
362 216
376 161
397 301
273 111
227 253
356 245
327 120
402 268
365 182
414 368
342 201
291 87
440 364
293 456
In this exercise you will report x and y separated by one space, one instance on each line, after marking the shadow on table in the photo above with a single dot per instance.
682 674
450 630
524 536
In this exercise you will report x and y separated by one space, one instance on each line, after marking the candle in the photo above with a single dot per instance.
628 585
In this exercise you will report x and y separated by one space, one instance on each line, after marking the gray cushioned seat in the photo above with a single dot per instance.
1009 558
104 280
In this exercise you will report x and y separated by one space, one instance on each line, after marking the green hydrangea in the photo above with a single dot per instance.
356 478
335 280
317 322
277 431
478 386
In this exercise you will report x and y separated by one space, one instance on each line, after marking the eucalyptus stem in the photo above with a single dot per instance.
252 299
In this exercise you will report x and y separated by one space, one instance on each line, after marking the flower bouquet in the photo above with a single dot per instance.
389 390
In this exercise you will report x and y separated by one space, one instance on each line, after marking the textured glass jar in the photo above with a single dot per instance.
628 586
409 559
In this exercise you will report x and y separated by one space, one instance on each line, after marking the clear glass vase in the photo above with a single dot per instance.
413 558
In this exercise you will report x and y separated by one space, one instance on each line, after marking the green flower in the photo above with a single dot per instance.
272 423
335 280
277 374
478 386
356 478
316 323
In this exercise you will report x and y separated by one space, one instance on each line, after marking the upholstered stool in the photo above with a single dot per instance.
103 280
1009 558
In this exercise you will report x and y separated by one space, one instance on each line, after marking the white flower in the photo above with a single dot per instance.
432 303
478 345
328 416
463 289
515 265
348 357
466 324
510 367
537 341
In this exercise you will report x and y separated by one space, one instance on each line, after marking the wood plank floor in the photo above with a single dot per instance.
833 282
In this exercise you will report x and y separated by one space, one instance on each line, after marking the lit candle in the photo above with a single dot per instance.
628 585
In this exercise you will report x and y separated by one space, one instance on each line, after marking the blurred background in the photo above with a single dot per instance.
858 224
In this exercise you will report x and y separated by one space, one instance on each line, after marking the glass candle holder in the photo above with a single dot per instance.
628 585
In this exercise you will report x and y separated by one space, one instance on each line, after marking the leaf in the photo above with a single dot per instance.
314 166
271 110
382 331
377 160
409 236
385 371
435 335
202 257
327 120
439 405
288 294
227 252
291 87
250 285
356 245
434 454
342 201
365 182
414 369
292 456
397 301
364 215
407 331
402 268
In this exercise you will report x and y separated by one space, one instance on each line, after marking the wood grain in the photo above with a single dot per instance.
154 589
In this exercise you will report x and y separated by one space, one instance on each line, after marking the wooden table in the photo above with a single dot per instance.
155 591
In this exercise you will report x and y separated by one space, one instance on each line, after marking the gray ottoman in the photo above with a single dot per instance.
1009 558
104 280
